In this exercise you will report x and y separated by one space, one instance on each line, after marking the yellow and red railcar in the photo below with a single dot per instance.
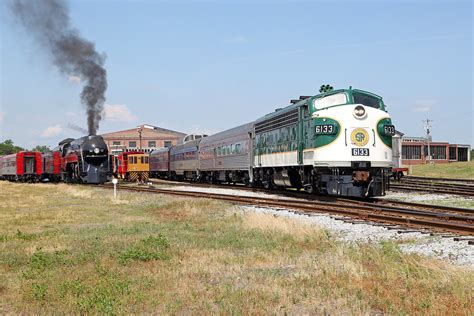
133 166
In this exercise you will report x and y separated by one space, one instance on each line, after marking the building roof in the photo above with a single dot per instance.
398 133
147 131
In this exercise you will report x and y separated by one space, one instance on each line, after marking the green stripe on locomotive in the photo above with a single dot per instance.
293 128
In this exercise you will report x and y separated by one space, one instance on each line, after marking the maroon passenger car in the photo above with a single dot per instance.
52 166
160 163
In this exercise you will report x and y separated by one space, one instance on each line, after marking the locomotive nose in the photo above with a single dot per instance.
94 150
94 145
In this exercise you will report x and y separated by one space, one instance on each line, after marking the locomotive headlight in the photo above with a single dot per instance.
96 150
359 111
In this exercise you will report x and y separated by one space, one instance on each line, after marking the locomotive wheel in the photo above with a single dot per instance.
310 189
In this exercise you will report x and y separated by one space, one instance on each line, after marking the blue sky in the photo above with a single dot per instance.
208 66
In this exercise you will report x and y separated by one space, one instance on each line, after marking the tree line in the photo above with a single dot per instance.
8 147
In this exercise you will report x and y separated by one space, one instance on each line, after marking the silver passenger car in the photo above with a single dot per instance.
184 158
226 156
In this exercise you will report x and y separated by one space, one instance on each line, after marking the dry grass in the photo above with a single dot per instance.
74 249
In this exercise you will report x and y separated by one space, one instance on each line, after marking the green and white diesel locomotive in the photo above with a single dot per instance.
337 143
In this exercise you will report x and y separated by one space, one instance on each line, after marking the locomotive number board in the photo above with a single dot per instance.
389 130
360 151
325 129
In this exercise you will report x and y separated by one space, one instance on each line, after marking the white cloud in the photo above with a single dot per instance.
118 113
75 79
423 106
52 131
70 114
2 115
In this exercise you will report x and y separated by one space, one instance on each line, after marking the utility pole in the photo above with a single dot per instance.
140 130
427 126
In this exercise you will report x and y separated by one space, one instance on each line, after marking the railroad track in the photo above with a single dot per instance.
433 186
323 198
303 195
465 181
434 218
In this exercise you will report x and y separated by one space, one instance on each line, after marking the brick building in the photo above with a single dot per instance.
145 137
414 151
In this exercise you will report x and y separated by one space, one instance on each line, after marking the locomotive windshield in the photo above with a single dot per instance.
367 100
330 100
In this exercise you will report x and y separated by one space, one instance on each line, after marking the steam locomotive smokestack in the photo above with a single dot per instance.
47 21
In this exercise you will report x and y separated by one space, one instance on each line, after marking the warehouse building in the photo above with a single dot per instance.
414 151
145 137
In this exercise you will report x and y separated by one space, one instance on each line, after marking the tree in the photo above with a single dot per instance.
41 148
7 147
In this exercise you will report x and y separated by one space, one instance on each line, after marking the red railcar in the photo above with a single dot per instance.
52 166
22 166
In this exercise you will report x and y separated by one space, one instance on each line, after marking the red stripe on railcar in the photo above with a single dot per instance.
39 164
20 170
56 162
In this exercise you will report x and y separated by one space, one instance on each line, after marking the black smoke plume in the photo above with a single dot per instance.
47 21
76 128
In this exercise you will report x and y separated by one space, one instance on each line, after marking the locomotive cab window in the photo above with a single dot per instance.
330 100
367 100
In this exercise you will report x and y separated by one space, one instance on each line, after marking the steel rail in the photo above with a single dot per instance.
438 183
431 189
446 222
438 179
325 198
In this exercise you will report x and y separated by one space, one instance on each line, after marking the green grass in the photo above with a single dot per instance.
455 170
76 250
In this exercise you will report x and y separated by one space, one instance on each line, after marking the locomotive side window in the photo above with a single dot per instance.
367 100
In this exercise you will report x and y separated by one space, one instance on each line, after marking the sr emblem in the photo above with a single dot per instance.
359 137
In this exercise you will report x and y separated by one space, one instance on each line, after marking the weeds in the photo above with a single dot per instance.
39 291
150 248
158 254
25 236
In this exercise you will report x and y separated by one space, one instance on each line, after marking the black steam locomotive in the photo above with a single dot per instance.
84 160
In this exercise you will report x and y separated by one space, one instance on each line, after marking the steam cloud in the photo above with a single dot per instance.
47 21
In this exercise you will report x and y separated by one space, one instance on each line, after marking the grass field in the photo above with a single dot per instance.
455 170
75 249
